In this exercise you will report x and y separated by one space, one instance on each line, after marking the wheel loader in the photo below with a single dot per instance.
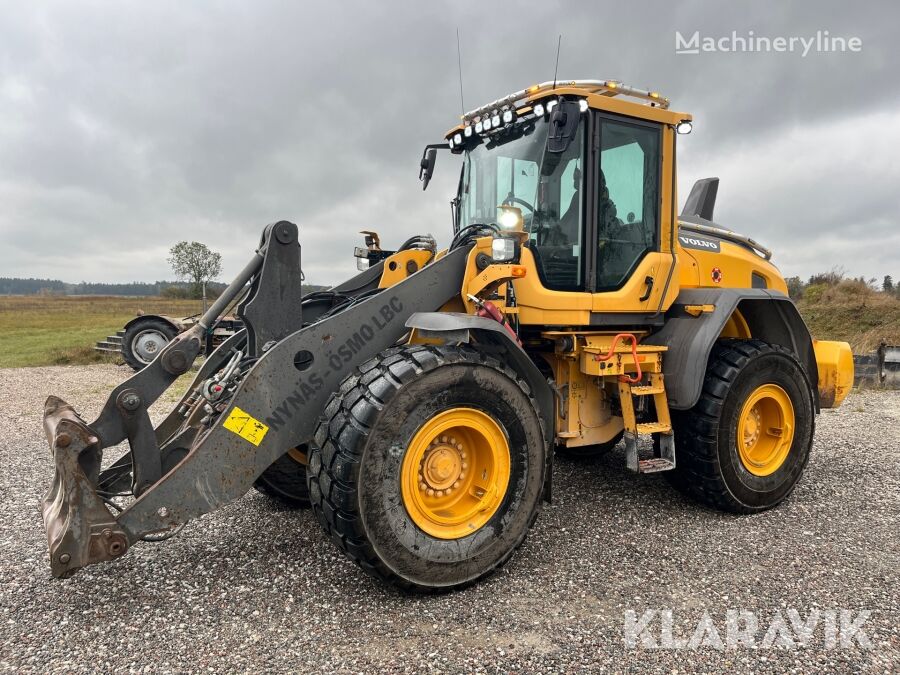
418 406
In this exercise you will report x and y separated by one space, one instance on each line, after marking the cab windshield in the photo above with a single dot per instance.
515 169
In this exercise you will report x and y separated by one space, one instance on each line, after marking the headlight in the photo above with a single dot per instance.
467 131
510 218
362 257
457 139
478 127
503 249
486 123
495 121
684 127
583 105
539 110
508 116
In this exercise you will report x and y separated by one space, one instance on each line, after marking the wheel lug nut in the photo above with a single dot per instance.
465 465
422 486
430 492
456 485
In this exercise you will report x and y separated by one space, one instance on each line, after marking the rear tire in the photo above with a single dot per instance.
359 483
285 482
144 340
745 380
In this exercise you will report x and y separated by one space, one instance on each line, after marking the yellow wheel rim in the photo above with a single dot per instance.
765 430
455 473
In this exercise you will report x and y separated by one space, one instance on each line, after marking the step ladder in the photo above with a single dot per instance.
662 425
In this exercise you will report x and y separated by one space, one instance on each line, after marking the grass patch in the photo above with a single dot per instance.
853 312
62 330
81 356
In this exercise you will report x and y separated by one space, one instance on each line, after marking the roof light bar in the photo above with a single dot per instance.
607 87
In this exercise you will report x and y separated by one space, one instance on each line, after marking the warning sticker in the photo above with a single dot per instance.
246 426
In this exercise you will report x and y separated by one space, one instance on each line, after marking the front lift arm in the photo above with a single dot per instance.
193 463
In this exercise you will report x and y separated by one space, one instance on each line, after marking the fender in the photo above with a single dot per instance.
770 315
453 327
175 323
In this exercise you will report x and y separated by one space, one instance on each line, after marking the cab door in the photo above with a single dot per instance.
630 263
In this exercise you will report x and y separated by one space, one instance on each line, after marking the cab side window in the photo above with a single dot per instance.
627 199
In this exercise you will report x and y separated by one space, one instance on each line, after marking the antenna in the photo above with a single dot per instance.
459 63
556 70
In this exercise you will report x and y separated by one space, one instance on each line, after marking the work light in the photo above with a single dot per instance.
503 249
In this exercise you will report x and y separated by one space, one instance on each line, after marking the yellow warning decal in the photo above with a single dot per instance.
246 426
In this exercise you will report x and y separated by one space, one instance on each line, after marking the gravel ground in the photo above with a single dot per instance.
254 586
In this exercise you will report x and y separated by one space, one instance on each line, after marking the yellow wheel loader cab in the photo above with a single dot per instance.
418 406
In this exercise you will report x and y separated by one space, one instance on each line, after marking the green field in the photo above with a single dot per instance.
62 330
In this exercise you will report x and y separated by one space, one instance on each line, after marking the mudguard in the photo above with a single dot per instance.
175 323
770 315
452 327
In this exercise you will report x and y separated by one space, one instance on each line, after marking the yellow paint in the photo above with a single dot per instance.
401 265
736 327
697 310
455 473
654 388
765 431
583 413
835 363
246 426
736 263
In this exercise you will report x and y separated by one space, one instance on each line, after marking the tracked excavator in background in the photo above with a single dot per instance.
418 406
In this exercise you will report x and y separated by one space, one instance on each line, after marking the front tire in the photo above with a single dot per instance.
743 447
428 467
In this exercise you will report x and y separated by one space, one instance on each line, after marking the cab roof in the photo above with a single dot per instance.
611 95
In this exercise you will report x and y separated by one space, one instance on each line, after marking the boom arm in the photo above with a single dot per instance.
274 381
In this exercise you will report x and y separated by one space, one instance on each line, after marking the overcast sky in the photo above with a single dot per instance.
128 126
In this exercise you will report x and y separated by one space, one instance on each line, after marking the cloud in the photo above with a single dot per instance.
127 127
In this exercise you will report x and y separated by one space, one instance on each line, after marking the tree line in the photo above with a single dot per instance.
19 286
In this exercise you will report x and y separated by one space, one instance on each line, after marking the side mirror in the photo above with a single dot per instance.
563 122
426 166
